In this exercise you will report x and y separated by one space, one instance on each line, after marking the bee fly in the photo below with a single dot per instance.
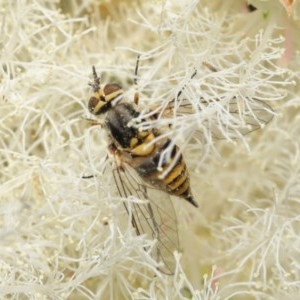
142 167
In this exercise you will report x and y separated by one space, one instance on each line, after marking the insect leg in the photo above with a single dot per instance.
88 176
93 122
180 92
209 66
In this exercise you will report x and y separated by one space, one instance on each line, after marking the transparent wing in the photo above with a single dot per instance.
224 118
155 216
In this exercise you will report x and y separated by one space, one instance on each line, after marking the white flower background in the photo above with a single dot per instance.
65 237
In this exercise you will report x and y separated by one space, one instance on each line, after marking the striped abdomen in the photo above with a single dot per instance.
145 152
176 181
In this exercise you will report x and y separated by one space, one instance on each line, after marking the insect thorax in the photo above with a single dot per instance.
117 120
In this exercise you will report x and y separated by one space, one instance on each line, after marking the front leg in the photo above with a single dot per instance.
93 122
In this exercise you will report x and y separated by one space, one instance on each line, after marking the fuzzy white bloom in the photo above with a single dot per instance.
212 73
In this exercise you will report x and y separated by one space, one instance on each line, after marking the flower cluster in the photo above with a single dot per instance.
220 78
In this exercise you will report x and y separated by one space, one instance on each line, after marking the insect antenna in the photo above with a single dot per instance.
136 69
136 94
96 84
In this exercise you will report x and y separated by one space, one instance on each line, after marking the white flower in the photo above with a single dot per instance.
66 237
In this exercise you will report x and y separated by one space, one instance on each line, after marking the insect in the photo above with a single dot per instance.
143 166
141 161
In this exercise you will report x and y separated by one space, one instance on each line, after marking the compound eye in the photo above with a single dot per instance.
111 88
92 104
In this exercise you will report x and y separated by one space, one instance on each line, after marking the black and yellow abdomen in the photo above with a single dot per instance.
176 181
146 154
